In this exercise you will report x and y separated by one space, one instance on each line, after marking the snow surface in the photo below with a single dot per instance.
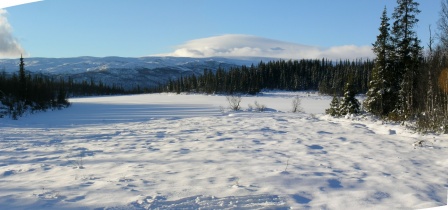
166 151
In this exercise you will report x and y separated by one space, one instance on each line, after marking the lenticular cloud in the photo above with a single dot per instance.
9 46
236 45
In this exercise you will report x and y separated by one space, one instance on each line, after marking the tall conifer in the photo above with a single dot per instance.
22 81
407 54
380 97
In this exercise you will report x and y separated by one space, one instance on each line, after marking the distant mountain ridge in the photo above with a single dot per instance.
125 71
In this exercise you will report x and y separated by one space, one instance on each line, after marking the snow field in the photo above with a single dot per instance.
164 151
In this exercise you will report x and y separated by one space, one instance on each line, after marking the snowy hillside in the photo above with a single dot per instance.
165 151
129 72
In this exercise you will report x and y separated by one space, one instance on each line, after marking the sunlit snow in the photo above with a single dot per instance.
166 151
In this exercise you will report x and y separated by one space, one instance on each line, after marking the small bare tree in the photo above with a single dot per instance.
234 102
296 105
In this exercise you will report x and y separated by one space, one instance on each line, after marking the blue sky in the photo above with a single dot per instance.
70 28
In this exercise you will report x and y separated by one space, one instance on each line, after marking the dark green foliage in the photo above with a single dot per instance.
405 85
334 107
62 95
326 76
394 86
24 92
407 56
382 94
349 104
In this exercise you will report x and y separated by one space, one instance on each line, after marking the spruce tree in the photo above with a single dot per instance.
407 54
22 81
380 98
334 107
62 95
349 103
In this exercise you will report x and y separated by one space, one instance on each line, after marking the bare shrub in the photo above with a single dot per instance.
296 105
259 107
234 102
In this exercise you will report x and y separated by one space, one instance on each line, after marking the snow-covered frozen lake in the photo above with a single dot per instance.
167 151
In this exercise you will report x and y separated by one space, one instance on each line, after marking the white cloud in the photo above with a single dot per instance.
9 46
11 3
238 45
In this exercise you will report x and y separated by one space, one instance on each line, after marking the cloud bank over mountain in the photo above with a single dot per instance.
9 46
238 45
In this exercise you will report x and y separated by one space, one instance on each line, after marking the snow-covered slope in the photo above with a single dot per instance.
129 72
165 151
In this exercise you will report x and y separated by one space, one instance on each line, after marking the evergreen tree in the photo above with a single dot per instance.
349 103
407 54
380 97
22 81
21 92
62 95
334 107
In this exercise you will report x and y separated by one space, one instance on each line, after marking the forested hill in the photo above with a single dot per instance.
128 73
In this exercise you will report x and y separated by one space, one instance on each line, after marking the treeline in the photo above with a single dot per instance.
406 84
403 83
92 88
22 92
432 110
294 75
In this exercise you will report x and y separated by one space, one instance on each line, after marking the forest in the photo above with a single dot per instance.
409 83
22 92
294 75
405 82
